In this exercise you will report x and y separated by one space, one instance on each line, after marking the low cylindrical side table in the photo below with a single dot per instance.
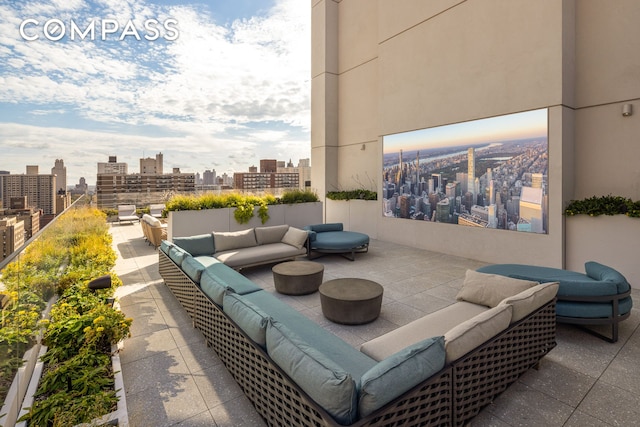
297 277
351 301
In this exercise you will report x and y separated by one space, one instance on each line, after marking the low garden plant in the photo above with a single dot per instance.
360 194
77 384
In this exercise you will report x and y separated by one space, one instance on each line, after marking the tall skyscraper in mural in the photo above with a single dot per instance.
471 174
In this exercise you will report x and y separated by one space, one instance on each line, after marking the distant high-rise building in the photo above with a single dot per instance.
405 206
151 166
209 177
254 181
81 187
11 236
112 167
303 170
443 209
253 169
60 171
536 180
471 170
115 187
531 200
40 190
268 166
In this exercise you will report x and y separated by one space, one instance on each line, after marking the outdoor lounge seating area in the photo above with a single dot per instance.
297 373
173 377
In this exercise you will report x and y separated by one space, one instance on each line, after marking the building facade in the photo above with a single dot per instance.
40 190
384 68
11 236
256 181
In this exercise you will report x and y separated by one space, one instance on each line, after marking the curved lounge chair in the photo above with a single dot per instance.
331 238
602 296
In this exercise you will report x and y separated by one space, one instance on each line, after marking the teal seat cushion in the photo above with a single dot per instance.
399 373
247 316
592 310
165 246
194 266
218 278
339 240
323 380
332 347
201 244
178 254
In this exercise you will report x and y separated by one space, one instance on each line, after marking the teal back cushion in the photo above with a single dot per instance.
202 244
165 246
177 254
601 272
400 372
323 380
251 319
319 228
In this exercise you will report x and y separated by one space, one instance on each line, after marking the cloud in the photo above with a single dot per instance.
203 94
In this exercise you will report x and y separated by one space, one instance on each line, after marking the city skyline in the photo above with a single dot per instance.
231 89
485 181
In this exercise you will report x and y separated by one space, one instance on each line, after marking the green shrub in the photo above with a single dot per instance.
361 194
291 197
604 205
244 204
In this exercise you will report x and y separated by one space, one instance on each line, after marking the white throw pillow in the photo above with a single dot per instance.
228 240
295 237
490 289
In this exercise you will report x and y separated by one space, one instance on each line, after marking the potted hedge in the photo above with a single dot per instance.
355 209
197 214
603 229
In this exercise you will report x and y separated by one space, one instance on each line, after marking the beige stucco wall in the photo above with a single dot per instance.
413 64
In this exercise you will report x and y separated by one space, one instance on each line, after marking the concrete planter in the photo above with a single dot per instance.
610 240
189 223
118 417
355 215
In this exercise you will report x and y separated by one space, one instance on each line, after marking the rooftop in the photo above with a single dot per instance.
172 378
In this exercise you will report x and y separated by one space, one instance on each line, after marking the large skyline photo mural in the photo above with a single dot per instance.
488 173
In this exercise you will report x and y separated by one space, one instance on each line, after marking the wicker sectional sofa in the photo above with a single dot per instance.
297 373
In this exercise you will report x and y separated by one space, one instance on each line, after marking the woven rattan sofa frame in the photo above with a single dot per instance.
451 397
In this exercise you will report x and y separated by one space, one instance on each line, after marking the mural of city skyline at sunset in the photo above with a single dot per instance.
489 173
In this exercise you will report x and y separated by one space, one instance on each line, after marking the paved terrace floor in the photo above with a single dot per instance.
173 379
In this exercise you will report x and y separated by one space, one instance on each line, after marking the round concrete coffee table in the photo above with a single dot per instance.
351 301
297 277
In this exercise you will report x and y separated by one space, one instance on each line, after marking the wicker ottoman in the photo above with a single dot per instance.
351 301
297 277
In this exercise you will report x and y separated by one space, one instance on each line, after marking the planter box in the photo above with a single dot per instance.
609 240
118 417
190 223
355 215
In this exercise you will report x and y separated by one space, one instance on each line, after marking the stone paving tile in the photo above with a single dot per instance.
520 405
558 381
173 378
612 404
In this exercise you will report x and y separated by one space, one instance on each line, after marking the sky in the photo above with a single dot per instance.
212 84
528 124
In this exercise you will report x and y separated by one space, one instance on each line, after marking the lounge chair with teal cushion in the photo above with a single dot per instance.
600 296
